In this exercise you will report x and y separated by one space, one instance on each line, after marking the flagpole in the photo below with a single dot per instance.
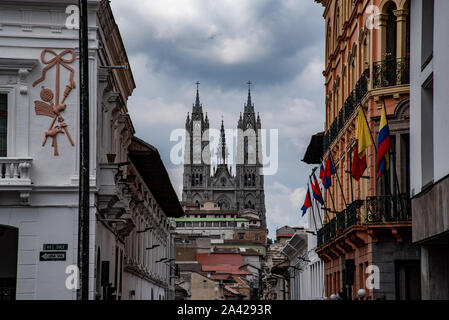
390 151
350 175
370 133
338 180
310 179
313 212
330 194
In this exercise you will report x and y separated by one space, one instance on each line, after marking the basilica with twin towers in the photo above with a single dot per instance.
201 183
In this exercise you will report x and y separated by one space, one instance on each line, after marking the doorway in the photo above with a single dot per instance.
9 238
408 280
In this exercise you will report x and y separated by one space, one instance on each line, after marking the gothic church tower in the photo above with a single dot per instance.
245 190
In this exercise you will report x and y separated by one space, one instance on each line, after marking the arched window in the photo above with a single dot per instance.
337 27
391 32
328 40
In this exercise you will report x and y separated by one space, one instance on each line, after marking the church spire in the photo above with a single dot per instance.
222 151
197 107
249 105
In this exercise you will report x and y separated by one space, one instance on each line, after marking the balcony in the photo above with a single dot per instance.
391 72
381 211
15 176
15 171
350 106
342 221
388 208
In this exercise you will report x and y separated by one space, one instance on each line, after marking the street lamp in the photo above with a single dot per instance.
361 293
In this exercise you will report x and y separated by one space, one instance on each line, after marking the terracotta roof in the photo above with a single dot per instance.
220 276
221 263
219 259
230 291
285 235
224 269
240 281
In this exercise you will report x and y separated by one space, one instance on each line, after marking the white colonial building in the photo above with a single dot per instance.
306 267
132 199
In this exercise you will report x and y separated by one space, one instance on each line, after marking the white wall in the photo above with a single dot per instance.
28 27
440 68
441 92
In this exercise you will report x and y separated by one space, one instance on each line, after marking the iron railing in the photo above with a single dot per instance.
319 235
350 106
352 216
341 220
391 72
378 209
388 208
326 233
333 228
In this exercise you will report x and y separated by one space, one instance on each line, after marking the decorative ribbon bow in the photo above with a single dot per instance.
59 60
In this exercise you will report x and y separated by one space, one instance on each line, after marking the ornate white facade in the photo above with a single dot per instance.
131 245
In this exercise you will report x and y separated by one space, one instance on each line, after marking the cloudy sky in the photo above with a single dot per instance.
277 44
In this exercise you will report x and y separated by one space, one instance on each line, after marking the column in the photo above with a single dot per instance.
401 23
382 36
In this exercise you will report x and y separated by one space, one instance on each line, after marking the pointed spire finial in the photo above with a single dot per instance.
197 108
197 93
249 94
222 153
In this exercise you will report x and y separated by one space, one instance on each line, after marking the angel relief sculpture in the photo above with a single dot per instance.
50 105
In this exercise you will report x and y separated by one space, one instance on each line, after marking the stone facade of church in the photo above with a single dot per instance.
239 191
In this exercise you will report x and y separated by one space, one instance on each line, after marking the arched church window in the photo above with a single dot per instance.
245 181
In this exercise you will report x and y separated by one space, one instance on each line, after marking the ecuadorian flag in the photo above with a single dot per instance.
383 145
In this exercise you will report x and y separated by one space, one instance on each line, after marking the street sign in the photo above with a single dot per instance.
52 256
55 246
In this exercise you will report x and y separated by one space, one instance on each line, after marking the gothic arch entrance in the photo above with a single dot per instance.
9 238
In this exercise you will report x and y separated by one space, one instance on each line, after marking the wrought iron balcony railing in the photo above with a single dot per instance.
352 102
378 209
352 216
320 235
326 233
333 228
341 220
388 208
391 72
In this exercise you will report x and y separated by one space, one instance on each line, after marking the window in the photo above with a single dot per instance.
427 131
241 236
3 124
328 40
427 32
391 34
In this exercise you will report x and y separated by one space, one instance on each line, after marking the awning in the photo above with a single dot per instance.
314 151
149 164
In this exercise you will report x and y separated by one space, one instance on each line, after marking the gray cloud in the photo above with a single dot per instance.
278 44
222 41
